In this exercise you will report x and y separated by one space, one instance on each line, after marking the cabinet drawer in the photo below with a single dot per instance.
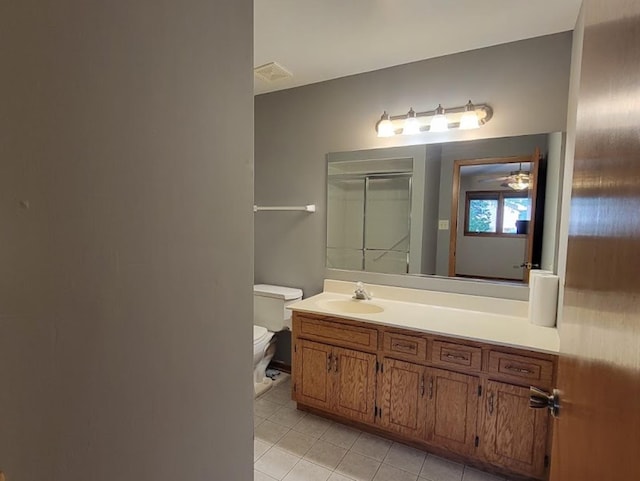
338 333
456 355
521 367
412 347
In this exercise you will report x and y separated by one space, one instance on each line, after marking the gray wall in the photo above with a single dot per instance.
525 82
125 299
553 201
430 206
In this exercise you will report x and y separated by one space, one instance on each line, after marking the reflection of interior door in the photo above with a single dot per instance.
597 435
534 226
468 249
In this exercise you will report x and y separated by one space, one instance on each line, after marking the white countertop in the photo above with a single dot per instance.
505 329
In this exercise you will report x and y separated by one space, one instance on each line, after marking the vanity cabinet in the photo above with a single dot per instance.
313 374
335 379
402 407
452 410
354 384
427 404
514 435
466 398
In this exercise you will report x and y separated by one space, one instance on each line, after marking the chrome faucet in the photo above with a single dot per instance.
360 292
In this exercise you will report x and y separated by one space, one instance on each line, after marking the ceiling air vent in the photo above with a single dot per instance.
271 72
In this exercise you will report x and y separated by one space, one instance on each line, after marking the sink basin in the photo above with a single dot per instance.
350 306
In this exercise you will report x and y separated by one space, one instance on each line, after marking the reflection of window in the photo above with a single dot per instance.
497 213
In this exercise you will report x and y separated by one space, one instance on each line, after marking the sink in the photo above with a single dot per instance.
350 306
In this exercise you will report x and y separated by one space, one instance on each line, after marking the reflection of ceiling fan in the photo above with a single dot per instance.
516 180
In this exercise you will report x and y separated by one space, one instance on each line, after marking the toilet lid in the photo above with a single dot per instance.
259 333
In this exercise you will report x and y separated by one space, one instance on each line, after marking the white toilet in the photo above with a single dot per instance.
270 315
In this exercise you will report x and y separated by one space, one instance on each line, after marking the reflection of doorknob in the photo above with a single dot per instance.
539 399
526 265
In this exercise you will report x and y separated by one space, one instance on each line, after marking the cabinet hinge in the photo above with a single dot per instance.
479 391
546 461
477 441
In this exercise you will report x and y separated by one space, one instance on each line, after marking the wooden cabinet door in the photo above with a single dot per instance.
313 374
355 384
402 398
513 434
452 410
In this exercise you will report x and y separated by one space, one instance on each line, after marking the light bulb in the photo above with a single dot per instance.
439 122
411 124
469 119
385 127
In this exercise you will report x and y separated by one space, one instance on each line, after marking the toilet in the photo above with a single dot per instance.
270 315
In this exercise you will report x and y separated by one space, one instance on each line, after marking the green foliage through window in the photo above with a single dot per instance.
496 212
483 214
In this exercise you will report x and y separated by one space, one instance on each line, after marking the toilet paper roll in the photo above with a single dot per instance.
533 275
543 302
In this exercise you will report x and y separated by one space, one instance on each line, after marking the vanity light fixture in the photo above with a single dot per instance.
411 124
469 119
468 116
385 127
439 122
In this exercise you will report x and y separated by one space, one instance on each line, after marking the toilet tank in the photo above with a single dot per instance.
270 306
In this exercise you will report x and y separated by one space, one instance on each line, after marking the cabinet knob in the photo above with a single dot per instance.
539 399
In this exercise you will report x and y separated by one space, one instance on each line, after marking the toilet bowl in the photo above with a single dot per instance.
270 315
264 347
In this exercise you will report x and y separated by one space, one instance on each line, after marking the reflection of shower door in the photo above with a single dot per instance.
387 223
368 224
345 228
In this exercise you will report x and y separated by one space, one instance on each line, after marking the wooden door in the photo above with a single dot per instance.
537 216
597 435
452 410
513 434
460 207
402 398
355 384
313 374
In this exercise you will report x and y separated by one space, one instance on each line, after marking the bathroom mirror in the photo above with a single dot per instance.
446 209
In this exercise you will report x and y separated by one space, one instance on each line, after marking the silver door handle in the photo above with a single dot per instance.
539 399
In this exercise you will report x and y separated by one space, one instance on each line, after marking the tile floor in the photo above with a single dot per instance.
291 445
